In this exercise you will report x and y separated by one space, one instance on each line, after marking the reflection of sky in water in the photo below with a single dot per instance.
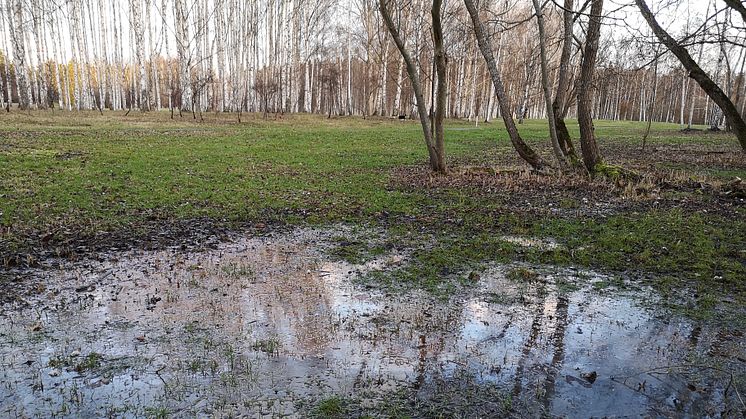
201 342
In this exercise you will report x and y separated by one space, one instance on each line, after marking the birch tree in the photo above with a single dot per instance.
16 26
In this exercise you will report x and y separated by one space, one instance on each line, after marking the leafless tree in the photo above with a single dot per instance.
589 148
713 90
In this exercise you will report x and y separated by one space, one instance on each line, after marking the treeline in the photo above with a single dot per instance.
323 56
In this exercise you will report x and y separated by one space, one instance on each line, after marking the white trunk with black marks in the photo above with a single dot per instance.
399 91
104 72
76 64
15 23
94 62
6 63
473 92
87 90
65 68
41 55
349 62
32 71
164 34
184 54
384 79
155 85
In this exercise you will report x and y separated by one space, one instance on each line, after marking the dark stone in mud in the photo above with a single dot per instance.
590 376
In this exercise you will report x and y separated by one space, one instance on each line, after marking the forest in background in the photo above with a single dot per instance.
334 57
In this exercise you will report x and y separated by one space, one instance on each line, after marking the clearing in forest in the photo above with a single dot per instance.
306 266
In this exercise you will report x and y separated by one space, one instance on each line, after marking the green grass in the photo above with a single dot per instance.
237 172
329 408
113 171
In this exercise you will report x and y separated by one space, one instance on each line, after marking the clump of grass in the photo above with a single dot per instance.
329 408
269 346
237 270
58 362
350 251
522 274
615 282
89 362
195 365
498 298
354 251
157 413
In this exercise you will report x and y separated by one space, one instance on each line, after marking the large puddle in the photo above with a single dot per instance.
268 326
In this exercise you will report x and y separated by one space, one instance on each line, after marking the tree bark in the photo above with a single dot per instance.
182 45
700 76
563 82
440 99
19 53
523 149
589 148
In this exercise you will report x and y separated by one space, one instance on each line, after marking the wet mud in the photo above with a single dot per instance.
269 326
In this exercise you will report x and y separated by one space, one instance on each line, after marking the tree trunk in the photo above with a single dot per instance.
563 81
440 100
142 80
561 160
19 53
182 45
414 78
523 149
589 148
652 102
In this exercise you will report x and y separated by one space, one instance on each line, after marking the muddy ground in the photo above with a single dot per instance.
274 325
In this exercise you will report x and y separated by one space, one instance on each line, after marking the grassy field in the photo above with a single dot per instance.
69 178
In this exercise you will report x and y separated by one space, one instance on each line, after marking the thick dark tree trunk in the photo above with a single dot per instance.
523 149
589 148
440 95
695 72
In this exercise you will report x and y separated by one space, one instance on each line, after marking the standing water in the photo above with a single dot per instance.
271 326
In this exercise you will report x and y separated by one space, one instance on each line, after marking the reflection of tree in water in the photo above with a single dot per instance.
296 301
558 341
531 341
429 326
